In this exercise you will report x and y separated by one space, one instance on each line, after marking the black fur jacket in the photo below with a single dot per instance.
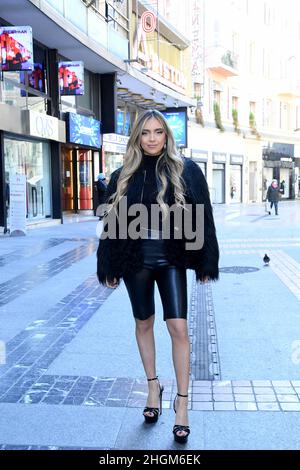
119 257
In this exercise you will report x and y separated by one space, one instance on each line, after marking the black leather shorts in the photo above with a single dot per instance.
171 282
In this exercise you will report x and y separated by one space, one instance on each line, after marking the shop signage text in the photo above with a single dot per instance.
199 155
236 159
115 143
156 65
17 205
83 130
219 157
44 126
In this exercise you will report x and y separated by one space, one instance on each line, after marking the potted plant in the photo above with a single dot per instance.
218 119
236 121
252 125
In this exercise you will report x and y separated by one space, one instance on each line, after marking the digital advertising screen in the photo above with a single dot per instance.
36 78
123 128
16 51
71 78
177 120
83 130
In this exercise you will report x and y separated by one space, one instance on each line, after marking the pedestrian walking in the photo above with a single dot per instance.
100 193
155 175
273 195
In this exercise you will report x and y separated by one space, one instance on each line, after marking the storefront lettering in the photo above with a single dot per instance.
86 130
44 127
150 59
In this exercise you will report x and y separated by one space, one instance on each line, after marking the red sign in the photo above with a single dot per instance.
148 21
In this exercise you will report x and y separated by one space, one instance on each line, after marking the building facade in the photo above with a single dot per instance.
246 75
59 140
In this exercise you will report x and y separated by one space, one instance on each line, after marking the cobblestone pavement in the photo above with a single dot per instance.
49 296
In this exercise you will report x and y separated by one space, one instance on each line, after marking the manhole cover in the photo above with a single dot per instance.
238 269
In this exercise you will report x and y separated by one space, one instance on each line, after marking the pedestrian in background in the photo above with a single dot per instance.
273 195
100 193
154 174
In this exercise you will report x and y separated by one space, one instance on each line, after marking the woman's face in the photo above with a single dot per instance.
153 137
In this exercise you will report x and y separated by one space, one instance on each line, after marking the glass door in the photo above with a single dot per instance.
236 183
218 186
84 180
67 180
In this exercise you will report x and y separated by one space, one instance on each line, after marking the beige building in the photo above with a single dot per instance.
246 74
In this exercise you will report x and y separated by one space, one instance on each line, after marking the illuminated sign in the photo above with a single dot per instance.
83 130
123 127
177 120
36 79
71 78
16 52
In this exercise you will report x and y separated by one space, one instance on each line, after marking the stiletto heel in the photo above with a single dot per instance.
178 427
155 411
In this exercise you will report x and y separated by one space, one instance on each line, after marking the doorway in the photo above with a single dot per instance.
218 186
77 179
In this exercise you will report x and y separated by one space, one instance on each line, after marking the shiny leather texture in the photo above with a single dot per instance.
171 282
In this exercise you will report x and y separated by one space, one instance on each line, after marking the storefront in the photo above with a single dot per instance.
279 164
32 159
236 178
30 149
113 151
80 162
218 179
201 158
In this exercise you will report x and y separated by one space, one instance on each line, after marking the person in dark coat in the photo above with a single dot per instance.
273 195
158 247
100 188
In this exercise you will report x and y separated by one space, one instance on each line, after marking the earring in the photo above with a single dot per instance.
165 145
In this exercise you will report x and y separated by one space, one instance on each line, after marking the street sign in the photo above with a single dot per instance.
17 205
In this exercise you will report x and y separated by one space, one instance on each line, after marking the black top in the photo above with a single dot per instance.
150 188
117 257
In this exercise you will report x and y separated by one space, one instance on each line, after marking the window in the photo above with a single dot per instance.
284 115
252 57
235 103
252 107
217 97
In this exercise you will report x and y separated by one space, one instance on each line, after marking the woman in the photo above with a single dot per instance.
273 195
154 175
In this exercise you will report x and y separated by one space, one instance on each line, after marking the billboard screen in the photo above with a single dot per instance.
16 51
123 127
71 78
83 130
177 120
36 79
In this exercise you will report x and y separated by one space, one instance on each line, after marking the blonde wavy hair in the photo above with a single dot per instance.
169 163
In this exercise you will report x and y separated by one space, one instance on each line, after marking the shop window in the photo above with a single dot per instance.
32 159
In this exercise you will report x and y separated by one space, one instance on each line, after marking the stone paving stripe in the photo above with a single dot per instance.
26 281
205 363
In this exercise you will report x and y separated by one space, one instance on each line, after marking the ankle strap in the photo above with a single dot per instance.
179 395
154 378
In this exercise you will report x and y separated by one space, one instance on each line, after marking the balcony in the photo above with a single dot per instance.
289 87
222 61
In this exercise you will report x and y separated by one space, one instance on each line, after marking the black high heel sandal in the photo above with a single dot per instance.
155 411
178 427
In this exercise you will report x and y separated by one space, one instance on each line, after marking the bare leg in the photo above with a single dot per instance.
181 359
145 340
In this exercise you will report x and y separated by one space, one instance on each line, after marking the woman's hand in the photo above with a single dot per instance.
112 284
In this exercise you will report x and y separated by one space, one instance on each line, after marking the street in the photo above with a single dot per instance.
68 355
